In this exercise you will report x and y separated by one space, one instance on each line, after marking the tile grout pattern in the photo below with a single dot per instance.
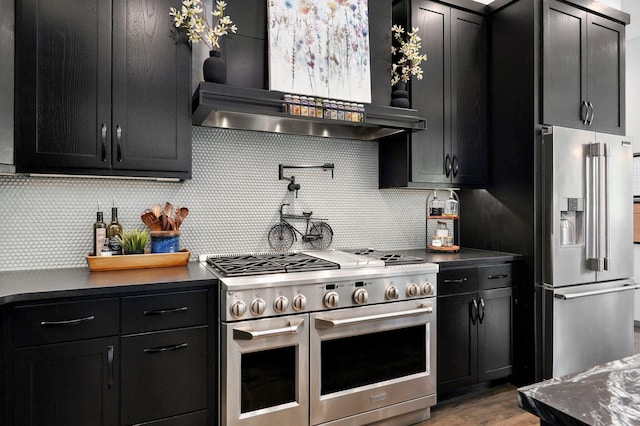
233 197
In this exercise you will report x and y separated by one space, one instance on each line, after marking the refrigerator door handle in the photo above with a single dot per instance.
596 208
570 296
607 209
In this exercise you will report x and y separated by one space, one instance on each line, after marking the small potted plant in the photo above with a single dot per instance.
134 241
406 51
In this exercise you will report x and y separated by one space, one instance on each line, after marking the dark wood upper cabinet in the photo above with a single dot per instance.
102 88
582 69
451 96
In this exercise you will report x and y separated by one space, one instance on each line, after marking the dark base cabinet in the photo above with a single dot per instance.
139 359
166 373
67 384
475 320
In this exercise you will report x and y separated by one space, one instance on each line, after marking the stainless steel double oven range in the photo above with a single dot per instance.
326 338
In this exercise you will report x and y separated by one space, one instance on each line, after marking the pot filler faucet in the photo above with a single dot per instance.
293 186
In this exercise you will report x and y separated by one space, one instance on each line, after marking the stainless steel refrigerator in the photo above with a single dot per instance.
587 303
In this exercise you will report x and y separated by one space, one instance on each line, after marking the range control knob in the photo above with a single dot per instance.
299 302
238 308
360 296
331 299
258 306
413 290
281 304
391 293
427 288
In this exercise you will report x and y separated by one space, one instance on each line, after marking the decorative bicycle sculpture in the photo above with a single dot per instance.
317 233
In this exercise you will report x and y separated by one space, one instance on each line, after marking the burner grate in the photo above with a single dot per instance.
388 258
231 266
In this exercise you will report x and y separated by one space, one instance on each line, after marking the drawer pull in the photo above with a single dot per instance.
165 348
166 311
67 322
497 277
458 281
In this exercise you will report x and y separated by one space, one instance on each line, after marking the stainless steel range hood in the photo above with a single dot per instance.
219 105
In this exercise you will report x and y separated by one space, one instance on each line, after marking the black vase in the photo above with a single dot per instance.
214 69
400 96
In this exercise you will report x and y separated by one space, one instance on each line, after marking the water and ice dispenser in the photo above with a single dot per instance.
572 221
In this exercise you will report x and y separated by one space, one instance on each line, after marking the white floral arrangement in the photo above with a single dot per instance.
408 49
192 17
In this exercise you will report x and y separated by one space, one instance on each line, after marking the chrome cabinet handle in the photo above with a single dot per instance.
110 366
103 134
166 311
456 281
593 112
497 277
165 348
322 322
625 287
75 321
481 313
584 112
456 166
474 311
247 333
447 165
119 139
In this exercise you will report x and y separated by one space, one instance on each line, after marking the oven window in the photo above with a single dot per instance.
371 358
268 378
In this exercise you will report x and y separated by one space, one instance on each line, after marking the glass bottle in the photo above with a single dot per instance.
436 206
113 230
451 206
99 232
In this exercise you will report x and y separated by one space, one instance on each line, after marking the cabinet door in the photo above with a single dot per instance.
564 50
63 84
495 333
67 384
468 98
431 96
457 341
151 124
164 374
605 74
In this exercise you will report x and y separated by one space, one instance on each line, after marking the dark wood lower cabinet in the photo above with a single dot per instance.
164 374
474 326
146 358
67 384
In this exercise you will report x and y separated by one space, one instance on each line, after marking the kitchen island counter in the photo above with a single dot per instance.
606 394
31 285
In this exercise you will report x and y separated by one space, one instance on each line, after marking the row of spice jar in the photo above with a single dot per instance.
307 106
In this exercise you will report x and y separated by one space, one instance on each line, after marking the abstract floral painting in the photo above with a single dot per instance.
320 48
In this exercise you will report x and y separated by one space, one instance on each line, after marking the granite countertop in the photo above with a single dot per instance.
607 394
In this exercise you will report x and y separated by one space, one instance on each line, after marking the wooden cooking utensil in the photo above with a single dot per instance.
151 220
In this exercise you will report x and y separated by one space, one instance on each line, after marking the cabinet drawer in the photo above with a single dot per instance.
66 321
495 276
163 374
459 280
141 314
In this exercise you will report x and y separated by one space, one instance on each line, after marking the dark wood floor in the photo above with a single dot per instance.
495 406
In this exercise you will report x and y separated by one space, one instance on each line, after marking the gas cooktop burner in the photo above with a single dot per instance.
389 258
233 266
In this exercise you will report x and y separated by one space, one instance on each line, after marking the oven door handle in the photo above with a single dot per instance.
333 323
247 333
